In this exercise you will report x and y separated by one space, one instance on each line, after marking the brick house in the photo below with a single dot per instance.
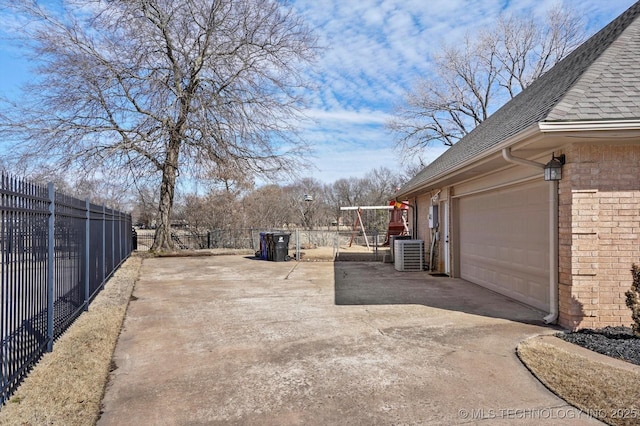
565 247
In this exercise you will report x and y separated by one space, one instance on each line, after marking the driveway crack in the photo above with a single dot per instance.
291 271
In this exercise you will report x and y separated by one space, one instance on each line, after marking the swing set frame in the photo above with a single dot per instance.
358 225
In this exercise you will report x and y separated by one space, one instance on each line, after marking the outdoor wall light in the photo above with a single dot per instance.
553 169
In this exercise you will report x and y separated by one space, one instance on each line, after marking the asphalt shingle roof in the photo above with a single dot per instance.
598 81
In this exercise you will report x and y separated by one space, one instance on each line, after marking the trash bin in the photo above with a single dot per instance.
262 253
134 239
268 238
281 246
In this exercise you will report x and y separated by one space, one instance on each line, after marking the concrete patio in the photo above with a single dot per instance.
234 340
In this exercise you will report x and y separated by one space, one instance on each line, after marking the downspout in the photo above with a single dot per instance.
553 249
553 235
506 154
434 231
414 230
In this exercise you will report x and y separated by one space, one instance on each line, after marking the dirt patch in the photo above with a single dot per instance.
343 253
199 253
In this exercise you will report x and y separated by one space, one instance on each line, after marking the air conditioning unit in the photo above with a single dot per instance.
409 255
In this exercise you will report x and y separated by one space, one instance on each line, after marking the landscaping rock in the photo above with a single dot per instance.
616 342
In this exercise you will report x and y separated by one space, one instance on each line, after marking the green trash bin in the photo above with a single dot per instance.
281 247
270 246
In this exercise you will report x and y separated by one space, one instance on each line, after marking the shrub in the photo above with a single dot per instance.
633 299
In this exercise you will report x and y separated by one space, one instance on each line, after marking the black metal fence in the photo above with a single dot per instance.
57 253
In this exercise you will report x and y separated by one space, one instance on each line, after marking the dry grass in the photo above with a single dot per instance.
67 385
605 392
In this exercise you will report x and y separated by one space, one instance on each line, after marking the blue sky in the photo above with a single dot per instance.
375 50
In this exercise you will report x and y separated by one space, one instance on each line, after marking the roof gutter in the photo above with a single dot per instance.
589 126
553 234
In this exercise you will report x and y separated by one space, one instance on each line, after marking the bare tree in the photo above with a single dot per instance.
163 86
267 207
145 207
471 81
382 184
377 187
525 51
307 204
215 210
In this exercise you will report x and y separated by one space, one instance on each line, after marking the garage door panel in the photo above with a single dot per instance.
504 241
505 267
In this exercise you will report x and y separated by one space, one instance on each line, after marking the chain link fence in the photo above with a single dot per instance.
304 244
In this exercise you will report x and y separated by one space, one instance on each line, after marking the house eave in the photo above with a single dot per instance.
446 177
554 134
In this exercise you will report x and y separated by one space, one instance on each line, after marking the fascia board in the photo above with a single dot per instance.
520 137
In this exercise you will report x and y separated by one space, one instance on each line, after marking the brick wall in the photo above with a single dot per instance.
599 233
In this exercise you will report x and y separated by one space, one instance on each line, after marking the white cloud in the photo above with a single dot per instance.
350 161
356 117
375 50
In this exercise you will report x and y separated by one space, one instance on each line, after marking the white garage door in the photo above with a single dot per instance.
504 241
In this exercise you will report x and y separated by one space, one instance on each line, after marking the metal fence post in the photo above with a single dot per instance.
51 265
113 240
375 236
114 235
297 244
104 245
87 241
120 237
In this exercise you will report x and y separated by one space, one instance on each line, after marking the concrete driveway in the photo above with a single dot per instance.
233 340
